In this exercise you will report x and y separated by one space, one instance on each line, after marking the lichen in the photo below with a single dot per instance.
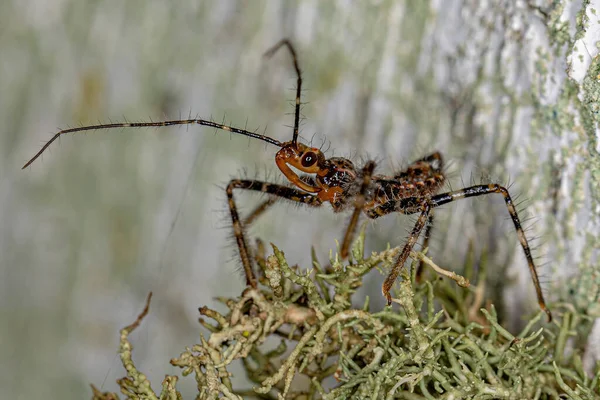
441 342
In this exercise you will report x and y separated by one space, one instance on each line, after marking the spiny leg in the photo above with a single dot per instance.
480 190
238 229
359 203
265 205
428 228
269 53
412 240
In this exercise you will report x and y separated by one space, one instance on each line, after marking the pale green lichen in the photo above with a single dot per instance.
433 346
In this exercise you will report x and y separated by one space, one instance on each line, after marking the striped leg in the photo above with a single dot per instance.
480 190
428 228
358 207
238 229
412 240
265 205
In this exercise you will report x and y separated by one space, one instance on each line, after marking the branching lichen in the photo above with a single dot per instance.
433 346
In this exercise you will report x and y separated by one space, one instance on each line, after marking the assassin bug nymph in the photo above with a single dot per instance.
337 181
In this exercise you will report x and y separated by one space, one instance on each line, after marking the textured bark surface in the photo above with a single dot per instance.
506 90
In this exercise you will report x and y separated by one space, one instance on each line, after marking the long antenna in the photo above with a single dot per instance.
153 124
269 53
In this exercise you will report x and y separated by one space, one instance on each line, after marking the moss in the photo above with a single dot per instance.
440 342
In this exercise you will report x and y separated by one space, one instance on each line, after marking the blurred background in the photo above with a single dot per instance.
504 90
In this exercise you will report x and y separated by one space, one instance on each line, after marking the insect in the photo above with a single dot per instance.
337 181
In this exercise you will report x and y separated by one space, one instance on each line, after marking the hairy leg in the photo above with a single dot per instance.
358 208
284 192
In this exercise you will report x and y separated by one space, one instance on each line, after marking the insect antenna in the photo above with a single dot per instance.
269 53
196 121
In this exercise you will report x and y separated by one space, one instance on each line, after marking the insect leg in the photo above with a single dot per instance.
481 190
359 203
428 228
238 228
265 205
412 240
258 211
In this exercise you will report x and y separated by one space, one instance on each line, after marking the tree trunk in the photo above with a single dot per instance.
507 91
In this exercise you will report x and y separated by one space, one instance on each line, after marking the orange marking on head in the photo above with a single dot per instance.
303 158
330 194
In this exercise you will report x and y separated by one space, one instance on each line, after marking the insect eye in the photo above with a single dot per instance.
308 159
